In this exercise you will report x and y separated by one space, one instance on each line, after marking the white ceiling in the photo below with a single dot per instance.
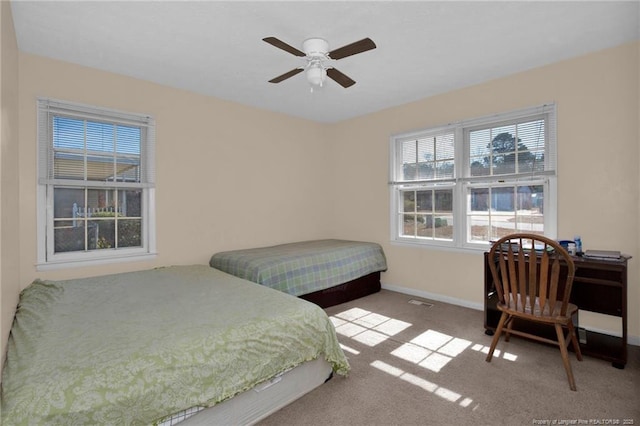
423 47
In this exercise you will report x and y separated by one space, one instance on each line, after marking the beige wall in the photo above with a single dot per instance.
10 284
231 176
228 176
598 185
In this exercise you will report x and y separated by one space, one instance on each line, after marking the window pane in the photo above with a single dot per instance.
514 208
68 238
129 233
443 227
409 160
100 167
104 231
444 147
424 201
69 148
68 133
68 165
66 202
409 204
100 137
444 169
517 148
68 233
479 152
425 225
479 199
425 154
127 169
479 228
128 154
502 199
428 158
409 225
531 146
131 203
444 200
530 213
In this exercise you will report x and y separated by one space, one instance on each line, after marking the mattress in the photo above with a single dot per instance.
133 348
264 399
303 267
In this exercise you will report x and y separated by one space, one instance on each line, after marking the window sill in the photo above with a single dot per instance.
52 266
476 248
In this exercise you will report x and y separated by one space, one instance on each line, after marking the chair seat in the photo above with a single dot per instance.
537 313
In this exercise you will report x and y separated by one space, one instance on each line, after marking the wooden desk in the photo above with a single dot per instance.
599 286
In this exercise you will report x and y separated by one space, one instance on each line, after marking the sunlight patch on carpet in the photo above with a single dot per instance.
431 350
366 327
428 386
496 353
349 349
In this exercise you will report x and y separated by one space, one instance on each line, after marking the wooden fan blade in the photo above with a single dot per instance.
284 46
340 78
353 48
286 75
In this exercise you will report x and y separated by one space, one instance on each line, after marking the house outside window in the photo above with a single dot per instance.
96 185
465 184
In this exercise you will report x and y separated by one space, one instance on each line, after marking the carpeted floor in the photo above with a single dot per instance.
419 364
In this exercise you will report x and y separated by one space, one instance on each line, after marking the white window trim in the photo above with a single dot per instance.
44 209
460 183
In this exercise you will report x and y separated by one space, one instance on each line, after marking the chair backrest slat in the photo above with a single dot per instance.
513 278
544 279
522 278
553 285
533 279
502 285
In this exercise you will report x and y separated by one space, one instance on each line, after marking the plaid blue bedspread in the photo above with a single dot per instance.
303 267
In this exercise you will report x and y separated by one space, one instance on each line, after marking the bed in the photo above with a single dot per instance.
135 348
325 272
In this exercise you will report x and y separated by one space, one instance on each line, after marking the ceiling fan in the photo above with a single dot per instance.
318 59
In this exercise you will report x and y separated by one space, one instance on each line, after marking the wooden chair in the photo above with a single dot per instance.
532 286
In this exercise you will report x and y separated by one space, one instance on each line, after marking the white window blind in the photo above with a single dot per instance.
80 142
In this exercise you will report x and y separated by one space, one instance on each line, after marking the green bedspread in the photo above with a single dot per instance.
132 348
303 267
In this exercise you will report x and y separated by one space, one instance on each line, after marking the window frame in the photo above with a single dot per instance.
46 182
462 180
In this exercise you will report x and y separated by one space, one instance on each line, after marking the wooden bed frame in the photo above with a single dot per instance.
342 293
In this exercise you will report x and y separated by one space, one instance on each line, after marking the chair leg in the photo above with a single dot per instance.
565 356
496 336
574 340
509 324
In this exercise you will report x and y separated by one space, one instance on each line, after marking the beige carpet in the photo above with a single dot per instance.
418 365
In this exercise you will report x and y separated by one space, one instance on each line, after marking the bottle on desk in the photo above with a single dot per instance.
578 242
571 248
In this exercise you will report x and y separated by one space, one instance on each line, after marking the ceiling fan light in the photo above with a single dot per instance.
316 75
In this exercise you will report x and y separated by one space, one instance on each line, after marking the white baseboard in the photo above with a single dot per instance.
631 340
434 296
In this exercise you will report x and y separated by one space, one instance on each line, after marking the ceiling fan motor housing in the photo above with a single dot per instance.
315 47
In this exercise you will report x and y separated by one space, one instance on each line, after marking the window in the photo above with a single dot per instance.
95 184
465 184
